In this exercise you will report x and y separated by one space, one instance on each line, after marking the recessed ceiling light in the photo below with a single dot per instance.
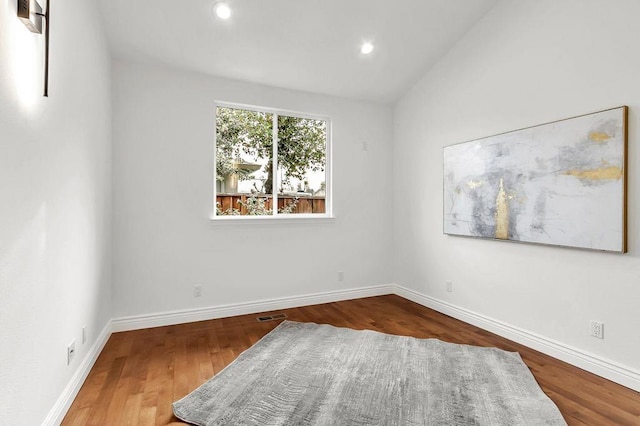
222 9
366 48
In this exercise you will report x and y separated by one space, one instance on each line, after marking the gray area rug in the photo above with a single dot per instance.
310 374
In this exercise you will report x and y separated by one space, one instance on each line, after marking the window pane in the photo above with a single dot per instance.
244 150
302 145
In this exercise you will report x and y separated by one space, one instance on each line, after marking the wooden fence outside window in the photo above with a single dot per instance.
306 203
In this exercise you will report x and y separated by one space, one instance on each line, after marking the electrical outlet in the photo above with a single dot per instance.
597 329
71 351
84 334
449 285
197 290
340 276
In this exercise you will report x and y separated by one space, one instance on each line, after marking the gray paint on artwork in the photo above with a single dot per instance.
539 211
483 199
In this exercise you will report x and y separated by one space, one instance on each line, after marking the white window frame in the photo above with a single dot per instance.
279 217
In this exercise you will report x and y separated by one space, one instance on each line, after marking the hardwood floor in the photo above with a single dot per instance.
140 373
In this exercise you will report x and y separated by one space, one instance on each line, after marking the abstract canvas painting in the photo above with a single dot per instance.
560 183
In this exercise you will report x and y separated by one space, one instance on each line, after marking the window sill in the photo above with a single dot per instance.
272 220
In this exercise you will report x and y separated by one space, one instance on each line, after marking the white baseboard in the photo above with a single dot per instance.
221 311
60 408
602 367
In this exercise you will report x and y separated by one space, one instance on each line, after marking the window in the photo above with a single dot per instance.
257 177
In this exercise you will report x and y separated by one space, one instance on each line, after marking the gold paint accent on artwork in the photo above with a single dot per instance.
599 137
474 184
602 173
502 213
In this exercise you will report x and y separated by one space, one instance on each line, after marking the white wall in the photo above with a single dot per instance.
164 240
524 63
54 205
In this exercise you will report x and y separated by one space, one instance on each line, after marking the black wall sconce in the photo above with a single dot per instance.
30 13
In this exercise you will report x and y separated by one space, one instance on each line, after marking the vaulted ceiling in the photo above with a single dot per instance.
309 45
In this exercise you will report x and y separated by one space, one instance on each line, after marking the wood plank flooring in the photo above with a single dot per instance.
140 373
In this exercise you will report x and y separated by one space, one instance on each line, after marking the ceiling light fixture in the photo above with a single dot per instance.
366 48
31 15
222 10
